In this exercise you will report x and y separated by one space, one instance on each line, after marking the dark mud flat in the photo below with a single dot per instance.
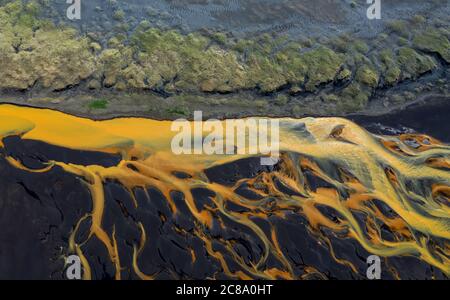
431 118
37 214
34 154
38 211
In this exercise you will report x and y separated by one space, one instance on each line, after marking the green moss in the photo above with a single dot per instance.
32 51
399 27
340 44
321 66
313 67
418 19
391 71
166 55
353 98
122 28
367 76
413 64
434 41
295 89
403 41
360 46
182 111
98 104
392 75
119 15
265 73
344 74
332 98
112 62
214 71
263 70
134 77
220 38
96 47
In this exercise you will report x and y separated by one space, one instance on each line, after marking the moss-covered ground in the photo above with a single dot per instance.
35 54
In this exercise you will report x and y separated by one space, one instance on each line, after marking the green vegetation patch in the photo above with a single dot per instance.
367 76
98 104
434 41
34 53
412 63
390 67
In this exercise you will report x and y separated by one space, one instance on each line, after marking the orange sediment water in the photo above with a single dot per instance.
367 167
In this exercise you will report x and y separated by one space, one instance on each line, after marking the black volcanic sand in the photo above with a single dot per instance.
38 211
432 118
250 17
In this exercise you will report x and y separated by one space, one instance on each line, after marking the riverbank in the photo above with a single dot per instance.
154 108
166 73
